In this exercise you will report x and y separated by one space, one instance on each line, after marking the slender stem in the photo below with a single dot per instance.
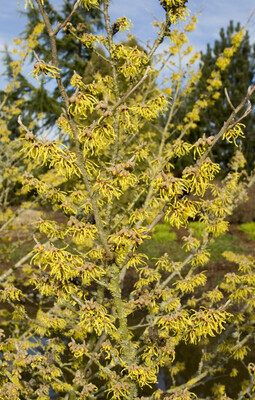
229 123
21 262
160 38
63 24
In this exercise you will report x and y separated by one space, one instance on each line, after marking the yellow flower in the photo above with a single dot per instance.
123 24
81 103
40 68
222 62
30 3
89 3
188 284
233 133
202 257
94 317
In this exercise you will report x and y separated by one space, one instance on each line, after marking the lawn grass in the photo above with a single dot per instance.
225 242
164 240
163 233
248 228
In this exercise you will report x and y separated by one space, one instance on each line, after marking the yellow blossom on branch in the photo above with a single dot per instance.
89 3
234 133
41 68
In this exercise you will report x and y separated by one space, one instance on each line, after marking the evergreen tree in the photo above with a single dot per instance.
73 56
239 74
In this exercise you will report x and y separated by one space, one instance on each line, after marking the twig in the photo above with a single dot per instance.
228 99
229 124
161 36
3 102
23 126
192 382
63 24
134 88
247 111
21 262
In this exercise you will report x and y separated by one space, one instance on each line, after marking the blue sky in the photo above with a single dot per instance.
215 14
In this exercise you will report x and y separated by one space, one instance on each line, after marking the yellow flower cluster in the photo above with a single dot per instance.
202 257
169 186
146 277
78 349
237 38
201 145
123 175
64 125
94 317
179 212
10 293
222 62
232 134
77 81
192 24
98 138
123 24
214 81
80 232
214 295
137 215
177 40
152 108
50 322
51 229
198 179
45 151
47 191
41 68
81 103
88 39
188 284
90 271
175 323
118 389
164 263
90 3
176 9
180 148
238 161
241 286
105 188
133 58
59 263
206 322
217 227
128 237
136 260
143 375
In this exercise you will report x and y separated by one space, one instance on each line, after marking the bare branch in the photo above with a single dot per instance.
23 126
63 24
228 99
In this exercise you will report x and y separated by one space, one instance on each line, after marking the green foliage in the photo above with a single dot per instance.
73 56
163 234
198 228
249 228
236 76
225 242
